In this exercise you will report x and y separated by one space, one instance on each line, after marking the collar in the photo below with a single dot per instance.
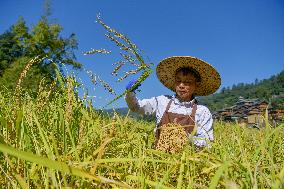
183 103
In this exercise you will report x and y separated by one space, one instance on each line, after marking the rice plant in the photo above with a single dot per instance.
130 55
56 141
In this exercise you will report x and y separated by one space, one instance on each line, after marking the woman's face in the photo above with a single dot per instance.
185 86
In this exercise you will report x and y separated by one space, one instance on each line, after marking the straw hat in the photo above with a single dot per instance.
210 78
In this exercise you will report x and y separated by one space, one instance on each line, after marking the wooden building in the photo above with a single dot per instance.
277 115
249 111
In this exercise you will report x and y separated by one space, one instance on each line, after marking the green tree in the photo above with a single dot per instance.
44 39
9 50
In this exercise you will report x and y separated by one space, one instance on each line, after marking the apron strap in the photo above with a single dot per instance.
169 105
194 108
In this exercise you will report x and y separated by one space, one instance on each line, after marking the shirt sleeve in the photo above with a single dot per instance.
204 133
145 106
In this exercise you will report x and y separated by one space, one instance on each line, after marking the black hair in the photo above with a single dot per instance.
188 70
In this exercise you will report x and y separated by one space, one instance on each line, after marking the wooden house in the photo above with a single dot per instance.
263 105
277 114
250 111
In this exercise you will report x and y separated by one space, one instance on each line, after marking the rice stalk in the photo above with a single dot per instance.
65 143
130 56
24 73
95 79
95 51
56 165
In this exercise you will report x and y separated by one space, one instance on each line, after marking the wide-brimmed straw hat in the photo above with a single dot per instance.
210 79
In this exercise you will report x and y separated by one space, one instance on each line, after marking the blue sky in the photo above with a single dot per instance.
242 39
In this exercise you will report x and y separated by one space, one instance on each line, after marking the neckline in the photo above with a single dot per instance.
177 101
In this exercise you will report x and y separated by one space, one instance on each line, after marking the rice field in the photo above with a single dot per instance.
58 140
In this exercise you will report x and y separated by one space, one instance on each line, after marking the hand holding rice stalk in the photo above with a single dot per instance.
130 54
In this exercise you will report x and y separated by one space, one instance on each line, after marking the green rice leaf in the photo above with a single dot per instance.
60 166
215 180
21 181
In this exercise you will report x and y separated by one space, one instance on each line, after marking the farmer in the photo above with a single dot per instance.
187 77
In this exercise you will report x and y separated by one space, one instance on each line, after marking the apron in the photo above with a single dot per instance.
173 130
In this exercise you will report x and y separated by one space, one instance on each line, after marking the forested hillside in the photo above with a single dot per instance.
271 90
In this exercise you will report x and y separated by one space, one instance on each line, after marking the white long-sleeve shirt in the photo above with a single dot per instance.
157 105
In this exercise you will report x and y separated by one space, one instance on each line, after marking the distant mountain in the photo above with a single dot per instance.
121 111
271 90
125 111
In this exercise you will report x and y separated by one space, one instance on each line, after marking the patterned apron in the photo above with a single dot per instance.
173 130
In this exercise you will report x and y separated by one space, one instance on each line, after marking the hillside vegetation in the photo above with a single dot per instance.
271 90
57 140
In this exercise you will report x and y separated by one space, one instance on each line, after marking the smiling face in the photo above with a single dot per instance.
185 85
